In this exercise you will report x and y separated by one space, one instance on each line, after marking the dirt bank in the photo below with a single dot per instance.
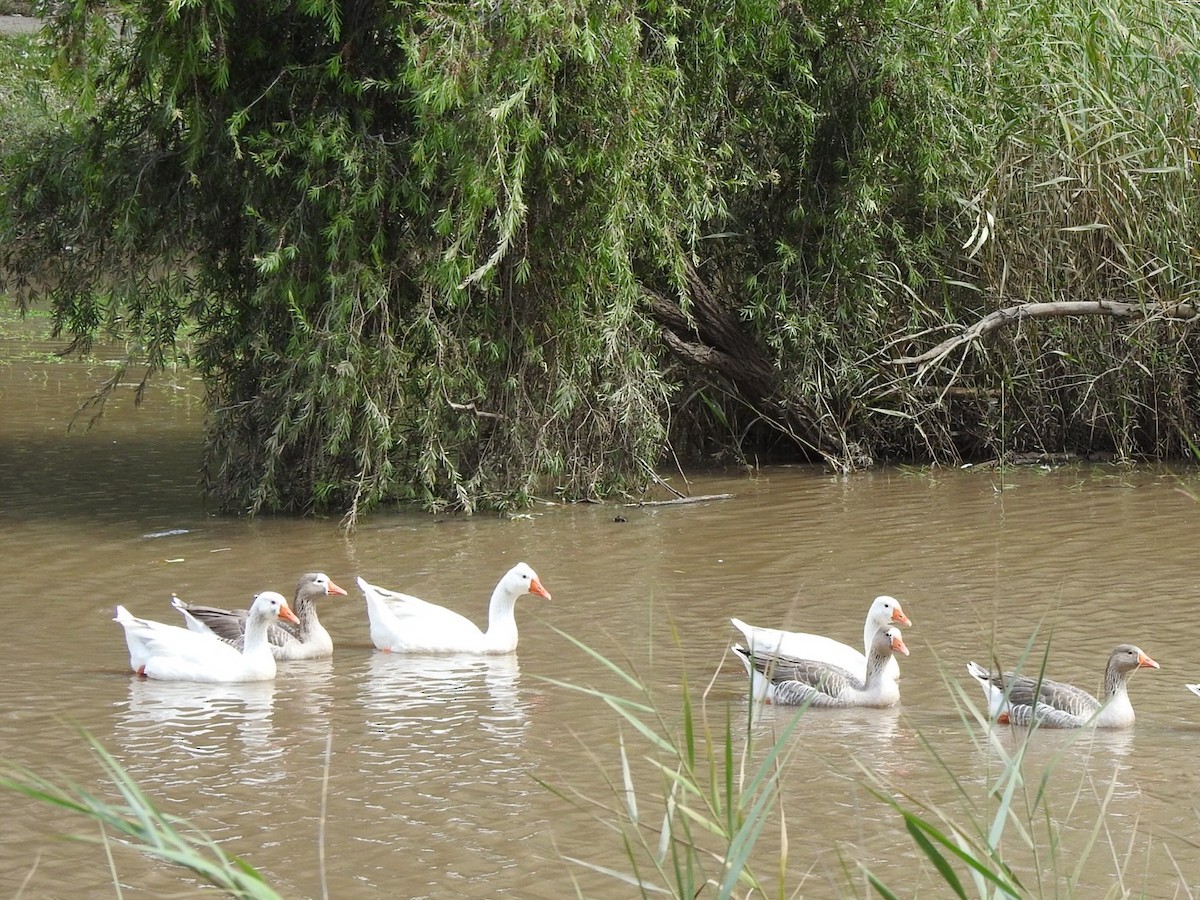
19 24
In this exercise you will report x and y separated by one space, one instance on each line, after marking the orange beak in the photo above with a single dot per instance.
899 616
1145 662
535 587
285 612
334 589
898 645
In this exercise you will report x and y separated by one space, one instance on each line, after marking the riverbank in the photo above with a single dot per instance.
19 24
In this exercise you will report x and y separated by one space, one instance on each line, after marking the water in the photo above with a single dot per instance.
430 786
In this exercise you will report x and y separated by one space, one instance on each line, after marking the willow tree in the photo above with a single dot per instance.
462 253
419 250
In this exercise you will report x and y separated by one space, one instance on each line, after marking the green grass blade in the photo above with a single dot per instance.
949 876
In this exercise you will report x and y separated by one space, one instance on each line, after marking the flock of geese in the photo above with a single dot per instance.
785 667
795 668
233 645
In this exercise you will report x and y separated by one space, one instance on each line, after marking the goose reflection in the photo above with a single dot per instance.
164 722
861 733
460 716
306 691
400 686
1099 754
1089 745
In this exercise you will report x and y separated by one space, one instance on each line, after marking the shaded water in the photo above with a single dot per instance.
431 788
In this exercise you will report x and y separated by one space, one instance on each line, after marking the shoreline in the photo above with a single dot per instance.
19 24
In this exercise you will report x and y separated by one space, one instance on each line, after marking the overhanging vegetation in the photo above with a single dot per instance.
465 254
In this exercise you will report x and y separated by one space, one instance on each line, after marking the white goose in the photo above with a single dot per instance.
407 624
786 680
170 653
884 612
309 640
1021 700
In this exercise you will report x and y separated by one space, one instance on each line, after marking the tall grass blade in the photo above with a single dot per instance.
939 862
644 886
165 837
879 886
627 779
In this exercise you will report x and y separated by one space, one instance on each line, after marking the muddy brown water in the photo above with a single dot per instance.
431 788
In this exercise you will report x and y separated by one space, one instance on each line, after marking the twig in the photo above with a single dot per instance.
679 501
654 476
321 824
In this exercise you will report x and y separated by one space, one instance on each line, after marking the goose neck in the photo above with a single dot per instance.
877 661
256 635
306 611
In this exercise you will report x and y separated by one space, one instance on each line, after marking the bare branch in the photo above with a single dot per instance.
680 501
471 407
999 318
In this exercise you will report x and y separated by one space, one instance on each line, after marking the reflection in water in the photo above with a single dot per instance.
871 737
442 693
308 687
1097 755
229 726
443 742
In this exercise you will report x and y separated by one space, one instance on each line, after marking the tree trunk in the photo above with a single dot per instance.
711 336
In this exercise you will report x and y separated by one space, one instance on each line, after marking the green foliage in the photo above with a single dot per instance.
450 254
25 107
1086 111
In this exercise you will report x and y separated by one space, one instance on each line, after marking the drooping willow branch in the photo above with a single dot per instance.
1182 312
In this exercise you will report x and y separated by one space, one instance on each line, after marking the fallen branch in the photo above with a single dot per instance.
1001 317
471 407
679 501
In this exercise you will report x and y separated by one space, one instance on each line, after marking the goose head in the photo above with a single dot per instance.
271 605
886 611
318 583
888 641
521 579
1126 657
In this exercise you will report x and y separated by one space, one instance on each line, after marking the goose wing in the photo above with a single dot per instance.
798 681
1055 695
230 624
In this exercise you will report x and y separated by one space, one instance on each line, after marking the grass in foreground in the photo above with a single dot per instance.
135 820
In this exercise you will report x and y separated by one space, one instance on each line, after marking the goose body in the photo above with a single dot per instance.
407 624
1021 700
307 640
787 680
170 653
884 612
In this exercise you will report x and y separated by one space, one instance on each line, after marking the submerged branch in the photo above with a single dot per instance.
1001 317
680 501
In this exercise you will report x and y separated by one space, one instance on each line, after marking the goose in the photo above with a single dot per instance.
787 680
1011 698
171 653
308 641
884 612
406 624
